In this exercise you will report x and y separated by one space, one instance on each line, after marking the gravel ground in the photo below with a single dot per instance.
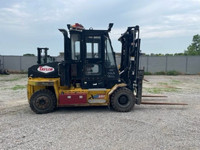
146 127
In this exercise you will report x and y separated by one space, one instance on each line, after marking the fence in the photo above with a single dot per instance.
17 63
183 64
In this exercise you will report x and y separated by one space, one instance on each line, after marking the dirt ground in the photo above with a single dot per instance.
146 127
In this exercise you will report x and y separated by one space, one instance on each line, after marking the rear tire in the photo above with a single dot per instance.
43 101
122 100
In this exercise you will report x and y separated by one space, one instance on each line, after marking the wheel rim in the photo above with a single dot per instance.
123 100
42 102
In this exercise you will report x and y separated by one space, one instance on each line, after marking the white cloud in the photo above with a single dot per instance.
162 34
184 18
170 19
13 15
36 20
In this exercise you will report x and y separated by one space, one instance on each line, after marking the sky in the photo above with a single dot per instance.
166 26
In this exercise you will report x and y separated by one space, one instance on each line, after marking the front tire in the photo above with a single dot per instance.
43 101
122 100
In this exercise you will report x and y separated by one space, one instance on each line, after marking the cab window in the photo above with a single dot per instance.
93 69
93 47
75 46
109 58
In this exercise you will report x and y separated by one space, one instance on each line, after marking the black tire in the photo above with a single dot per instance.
122 100
43 101
6 72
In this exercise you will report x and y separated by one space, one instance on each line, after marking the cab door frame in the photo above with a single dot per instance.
93 64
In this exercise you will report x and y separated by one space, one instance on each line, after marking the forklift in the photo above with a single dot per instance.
88 75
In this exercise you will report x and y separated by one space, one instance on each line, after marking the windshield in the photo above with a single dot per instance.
109 58
93 46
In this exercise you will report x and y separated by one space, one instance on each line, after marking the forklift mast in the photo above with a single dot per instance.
42 59
130 57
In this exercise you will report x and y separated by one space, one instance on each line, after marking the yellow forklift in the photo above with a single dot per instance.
88 75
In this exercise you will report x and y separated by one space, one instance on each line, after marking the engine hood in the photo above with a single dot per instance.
48 70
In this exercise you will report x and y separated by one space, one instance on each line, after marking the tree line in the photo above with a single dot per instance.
192 49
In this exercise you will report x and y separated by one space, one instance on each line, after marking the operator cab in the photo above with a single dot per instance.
89 58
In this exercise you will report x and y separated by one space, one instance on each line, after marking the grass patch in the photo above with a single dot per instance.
18 87
175 81
163 83
12 79
161 90
160 73
173 73
3 75
148 73
153 90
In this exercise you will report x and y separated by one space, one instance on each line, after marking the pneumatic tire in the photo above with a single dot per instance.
43 101
122 100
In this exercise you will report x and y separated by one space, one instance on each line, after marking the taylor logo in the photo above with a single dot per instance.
45 69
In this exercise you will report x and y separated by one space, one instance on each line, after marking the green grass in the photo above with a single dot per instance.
160 73
3 75
175 82
173 73
147 73
163 83
18 87
157 90
13 79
